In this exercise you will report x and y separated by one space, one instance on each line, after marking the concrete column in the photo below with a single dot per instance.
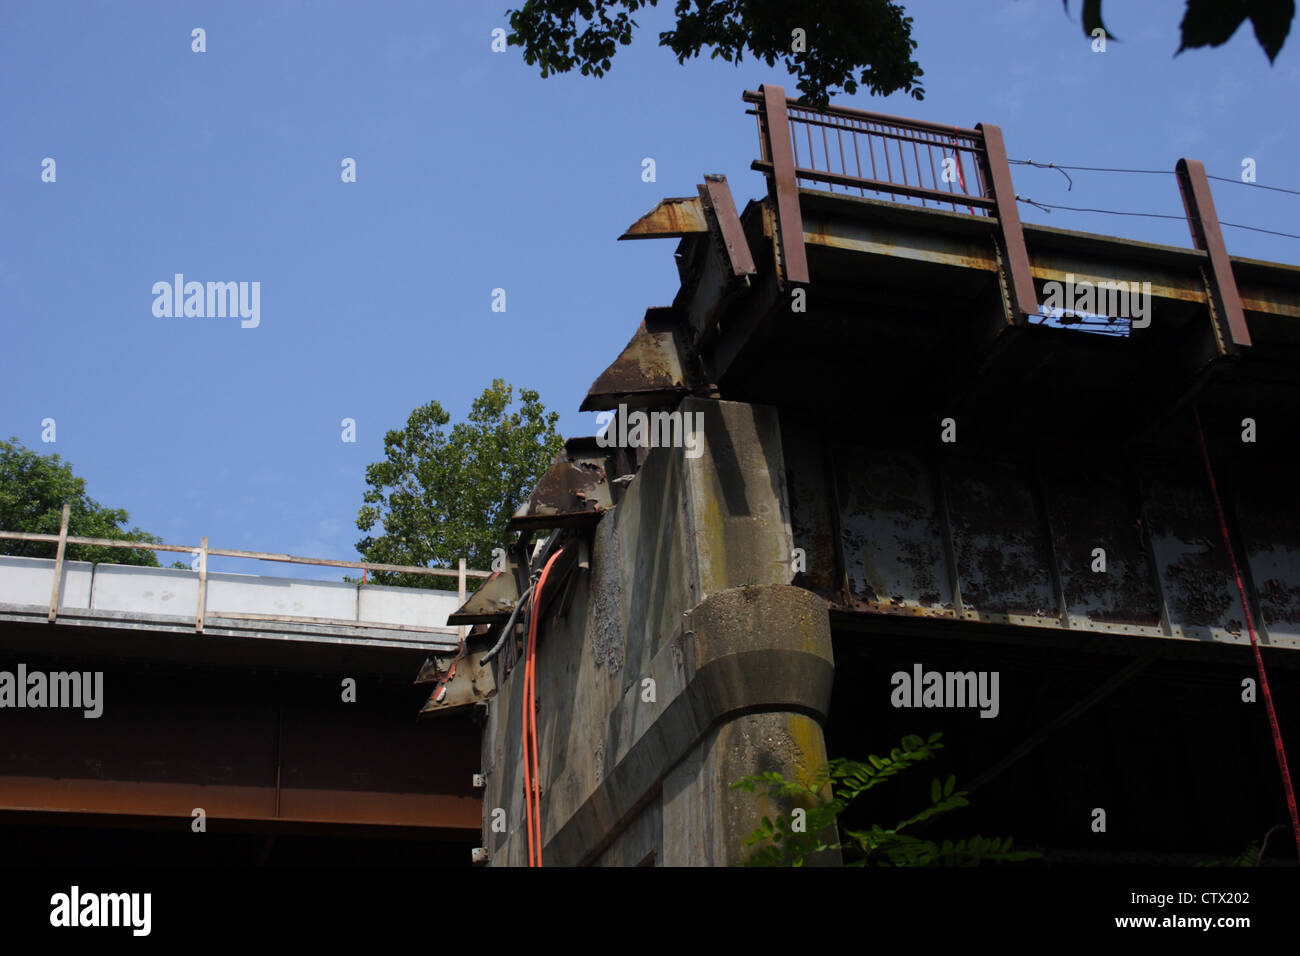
684 661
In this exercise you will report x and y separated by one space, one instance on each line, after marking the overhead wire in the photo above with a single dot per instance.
1061 168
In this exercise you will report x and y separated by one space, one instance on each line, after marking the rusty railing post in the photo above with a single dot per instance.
1208 237
789 220
1024 300
58 562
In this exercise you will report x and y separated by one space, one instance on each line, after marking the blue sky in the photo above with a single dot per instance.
473 173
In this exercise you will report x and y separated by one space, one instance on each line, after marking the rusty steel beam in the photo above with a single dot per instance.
492 602
648 372
1010 540
716 197
573 491
1203 222
258 746
677 217
220 802
785 186
1024 299
458 684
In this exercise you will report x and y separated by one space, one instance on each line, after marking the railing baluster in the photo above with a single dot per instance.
920 179
893 133
811 158
889 166
872 150
827 147
857 159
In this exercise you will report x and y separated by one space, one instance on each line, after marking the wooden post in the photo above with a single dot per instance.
58 562
203 584
463 629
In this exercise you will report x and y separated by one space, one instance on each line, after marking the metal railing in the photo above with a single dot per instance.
912 161
203 552
971 172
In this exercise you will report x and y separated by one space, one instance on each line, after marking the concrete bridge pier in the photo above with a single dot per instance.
679 660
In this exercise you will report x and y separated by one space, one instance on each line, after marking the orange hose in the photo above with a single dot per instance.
530 743
528 782
532 794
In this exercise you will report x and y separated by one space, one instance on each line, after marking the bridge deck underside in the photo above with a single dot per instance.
1059 542
238 743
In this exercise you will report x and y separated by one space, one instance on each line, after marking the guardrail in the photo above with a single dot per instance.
880 143
203 551
879 153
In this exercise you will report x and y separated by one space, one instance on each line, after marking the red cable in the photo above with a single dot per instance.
1254 643
532 769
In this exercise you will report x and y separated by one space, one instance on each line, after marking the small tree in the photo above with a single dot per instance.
33 490
791 839
444 496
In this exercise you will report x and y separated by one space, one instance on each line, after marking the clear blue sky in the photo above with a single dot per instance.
473 173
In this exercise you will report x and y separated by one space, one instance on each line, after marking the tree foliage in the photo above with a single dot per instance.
847 43
821 801
441 496
1213 22
33 490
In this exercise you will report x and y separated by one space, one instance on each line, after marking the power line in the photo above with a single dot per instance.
1150 215
1152 172
1090 169
1239 182
1111 212
1271 232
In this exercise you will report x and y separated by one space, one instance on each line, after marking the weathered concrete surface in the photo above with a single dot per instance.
684 661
